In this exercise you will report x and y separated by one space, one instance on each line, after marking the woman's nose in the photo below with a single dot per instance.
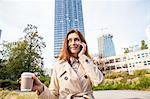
73 42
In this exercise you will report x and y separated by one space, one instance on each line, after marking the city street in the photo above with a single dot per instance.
121 94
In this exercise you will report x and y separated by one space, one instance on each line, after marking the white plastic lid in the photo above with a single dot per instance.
26 74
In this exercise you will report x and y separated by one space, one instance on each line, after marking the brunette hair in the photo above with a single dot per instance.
65 53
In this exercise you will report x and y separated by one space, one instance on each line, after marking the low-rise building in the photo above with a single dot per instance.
128 62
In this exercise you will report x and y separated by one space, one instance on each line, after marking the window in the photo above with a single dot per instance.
112 67
125 66
118 67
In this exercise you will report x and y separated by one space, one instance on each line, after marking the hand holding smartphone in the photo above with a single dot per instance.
83 49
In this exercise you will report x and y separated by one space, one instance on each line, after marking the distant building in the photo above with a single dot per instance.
128 62
68 15
106 46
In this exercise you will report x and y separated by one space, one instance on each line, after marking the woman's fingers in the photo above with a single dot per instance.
19 80
36 80
83 45
83 48
37 85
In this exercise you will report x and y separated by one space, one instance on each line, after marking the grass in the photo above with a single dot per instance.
5 94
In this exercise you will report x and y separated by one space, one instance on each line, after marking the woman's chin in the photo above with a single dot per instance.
74 51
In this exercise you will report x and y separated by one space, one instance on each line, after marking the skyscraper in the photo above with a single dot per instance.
106 46
68 15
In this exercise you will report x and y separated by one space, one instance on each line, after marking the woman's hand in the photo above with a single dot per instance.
37 85
83 50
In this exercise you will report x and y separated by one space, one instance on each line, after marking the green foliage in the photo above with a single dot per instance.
140 73
144 82
23 55
34 47
45 79
110 87
8 84
140 80
143 45
126 50
113 75
3 70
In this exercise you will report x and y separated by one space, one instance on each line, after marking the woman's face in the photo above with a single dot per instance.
73 43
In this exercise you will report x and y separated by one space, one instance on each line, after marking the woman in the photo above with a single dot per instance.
73 74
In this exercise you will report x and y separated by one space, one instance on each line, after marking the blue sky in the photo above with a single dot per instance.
127 20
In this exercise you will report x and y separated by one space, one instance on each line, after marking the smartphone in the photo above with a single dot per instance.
81 47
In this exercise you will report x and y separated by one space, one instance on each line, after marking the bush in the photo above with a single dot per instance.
113 75
114 81
144 82
138 73
110 87
45 79
8 84
14 85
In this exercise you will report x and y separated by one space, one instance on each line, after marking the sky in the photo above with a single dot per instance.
126 20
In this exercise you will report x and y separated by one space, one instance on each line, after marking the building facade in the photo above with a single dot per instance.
68 15
106 46
128 62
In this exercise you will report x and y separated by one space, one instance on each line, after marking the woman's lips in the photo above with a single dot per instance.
74 47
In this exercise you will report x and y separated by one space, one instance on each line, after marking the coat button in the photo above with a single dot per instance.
87 60
66 78
85 76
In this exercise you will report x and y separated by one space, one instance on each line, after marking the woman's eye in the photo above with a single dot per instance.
76 39
69 40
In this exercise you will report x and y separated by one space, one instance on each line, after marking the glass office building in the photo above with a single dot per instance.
68 15
106 46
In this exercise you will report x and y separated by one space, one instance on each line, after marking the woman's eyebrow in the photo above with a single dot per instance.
69 38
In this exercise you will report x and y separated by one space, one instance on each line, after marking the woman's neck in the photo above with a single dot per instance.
75 56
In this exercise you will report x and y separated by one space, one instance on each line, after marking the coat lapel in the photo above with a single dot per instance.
71 72
73 75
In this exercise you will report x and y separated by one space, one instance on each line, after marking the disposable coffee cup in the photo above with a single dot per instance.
26 81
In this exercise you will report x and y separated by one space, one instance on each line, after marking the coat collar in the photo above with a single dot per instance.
73 60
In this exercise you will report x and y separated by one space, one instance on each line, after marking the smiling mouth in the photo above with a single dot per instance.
74 47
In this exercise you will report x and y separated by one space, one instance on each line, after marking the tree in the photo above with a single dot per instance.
6 69
143 45
3 70
35 45
25 54
126 50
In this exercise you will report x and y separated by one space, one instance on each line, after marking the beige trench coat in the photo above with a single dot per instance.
66 84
